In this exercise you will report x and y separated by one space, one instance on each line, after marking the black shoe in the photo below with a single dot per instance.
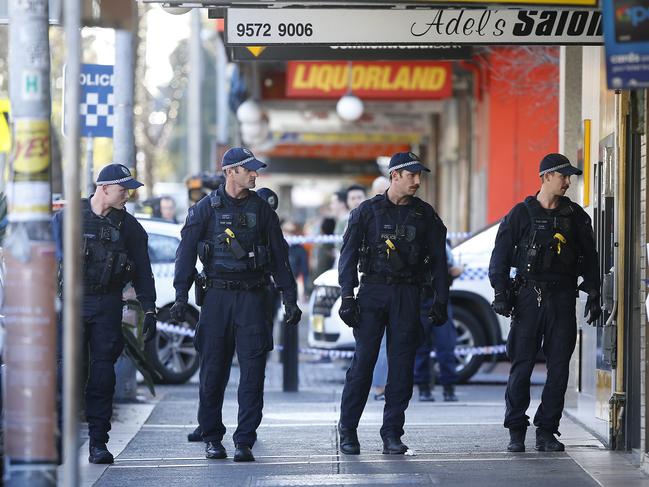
517 440
449 393
195 435
100 454
243 453
215 450
545 441
393 446
349 444
425 394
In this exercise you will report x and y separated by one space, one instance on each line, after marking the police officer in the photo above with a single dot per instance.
115 252
272 298
549 240
237 236
391 238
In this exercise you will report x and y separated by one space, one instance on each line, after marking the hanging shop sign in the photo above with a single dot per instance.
369 80
626 32
263 26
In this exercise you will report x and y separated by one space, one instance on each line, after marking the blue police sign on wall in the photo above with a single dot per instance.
96 107
626 38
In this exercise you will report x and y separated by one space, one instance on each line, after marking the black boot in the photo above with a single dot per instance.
243 453
349 444
425 394
517 440
449 393
195 435
100 454
214 450
393 446
545 441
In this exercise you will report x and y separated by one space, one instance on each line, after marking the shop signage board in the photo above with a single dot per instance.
264 26
626 32
418 80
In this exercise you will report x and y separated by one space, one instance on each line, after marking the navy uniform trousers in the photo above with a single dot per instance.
232 320
393 308
103 343
552 327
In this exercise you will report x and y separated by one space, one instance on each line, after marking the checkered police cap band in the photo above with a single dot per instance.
405 164
114 181
240 163
555 168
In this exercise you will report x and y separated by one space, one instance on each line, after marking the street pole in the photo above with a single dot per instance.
124 153
30 317
221 101
72 275
90 162
194 125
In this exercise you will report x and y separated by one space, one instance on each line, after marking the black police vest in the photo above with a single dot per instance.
550 246
236 244
398 249
106 264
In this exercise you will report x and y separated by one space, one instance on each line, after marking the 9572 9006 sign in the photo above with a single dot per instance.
257 29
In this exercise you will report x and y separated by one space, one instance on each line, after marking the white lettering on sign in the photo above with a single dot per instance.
96 79
264 26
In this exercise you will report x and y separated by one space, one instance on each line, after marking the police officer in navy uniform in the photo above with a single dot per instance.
237 236
115 252
397 241
549 240
272 298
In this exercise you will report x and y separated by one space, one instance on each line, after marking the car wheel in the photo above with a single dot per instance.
469 334
173 355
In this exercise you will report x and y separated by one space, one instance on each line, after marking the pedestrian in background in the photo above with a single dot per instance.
168 209
115 252
388 238
549 240
237 236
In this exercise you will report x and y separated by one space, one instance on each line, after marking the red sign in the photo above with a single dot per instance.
424 80
336 151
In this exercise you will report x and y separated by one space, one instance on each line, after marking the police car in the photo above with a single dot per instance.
172 354
471 296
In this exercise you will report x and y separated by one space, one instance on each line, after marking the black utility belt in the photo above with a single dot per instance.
377 279
568 282
235 285
101 289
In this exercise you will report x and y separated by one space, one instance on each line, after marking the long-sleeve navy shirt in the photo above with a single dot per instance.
199 225
362 227
135 241
516 225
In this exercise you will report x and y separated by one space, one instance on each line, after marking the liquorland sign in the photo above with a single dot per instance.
263 26
369 80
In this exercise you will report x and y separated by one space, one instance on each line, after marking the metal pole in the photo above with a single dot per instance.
72 330
30 417
90 161
123 132
124 153
221 93
194 125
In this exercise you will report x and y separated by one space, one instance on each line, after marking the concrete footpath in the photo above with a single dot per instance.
452 444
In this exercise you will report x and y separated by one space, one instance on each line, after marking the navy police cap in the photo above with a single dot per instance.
559 163
408 161
238 156
117 174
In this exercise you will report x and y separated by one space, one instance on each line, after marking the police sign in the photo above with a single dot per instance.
264 26
96 101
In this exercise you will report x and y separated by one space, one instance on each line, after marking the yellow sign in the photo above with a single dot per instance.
5 130
32 150
256 50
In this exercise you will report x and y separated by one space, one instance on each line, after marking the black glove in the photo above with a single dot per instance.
502 303
177 312
349 312
438 314
149 327
593 309
292 313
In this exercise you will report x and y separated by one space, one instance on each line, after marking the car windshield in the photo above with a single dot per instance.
162 248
